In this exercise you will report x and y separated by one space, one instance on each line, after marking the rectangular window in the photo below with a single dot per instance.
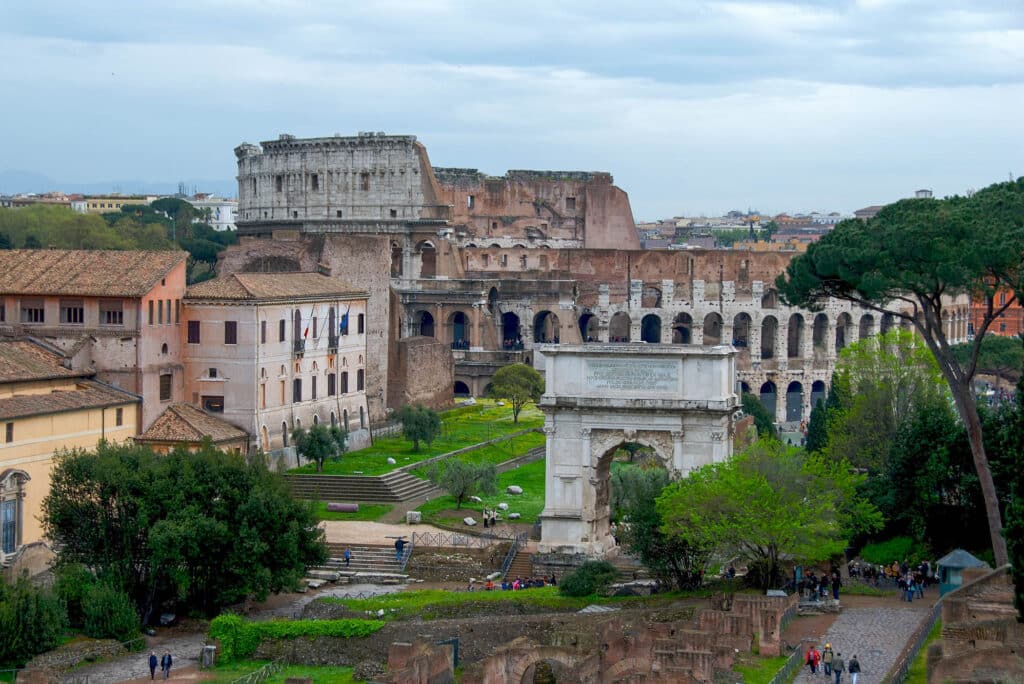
177 311
344 383
159 312
278 183
72 312
253 186
33 311
3 313
151 312
168 304
111 312
338 213
230 332
362 323
314 182
394 213
263 395
570 204
364 182
360 379
165 387
282 393
280 331
470 202
213 404
312 388
296 390
211 372
314 327
263 332
193 332
332 384
9 433
119 416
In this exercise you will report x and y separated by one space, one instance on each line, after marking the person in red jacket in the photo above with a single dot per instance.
813 658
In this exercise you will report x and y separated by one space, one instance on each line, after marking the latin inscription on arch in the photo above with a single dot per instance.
652 375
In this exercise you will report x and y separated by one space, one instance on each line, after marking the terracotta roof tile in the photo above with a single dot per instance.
82 272
186 423
263 286
87 395
22 360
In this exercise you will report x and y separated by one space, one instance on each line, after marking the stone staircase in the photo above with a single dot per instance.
629 568
370 564
522 565
394 487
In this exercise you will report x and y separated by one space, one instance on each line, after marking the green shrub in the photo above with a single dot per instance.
896 549
73 582
109 613
239 639
31 621
590 578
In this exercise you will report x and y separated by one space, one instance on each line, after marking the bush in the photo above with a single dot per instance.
239 639
31 621
896 549
590 578
109 613
72 584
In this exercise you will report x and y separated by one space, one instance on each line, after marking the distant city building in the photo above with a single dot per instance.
46 406
216 211
105 204
868 212
186 425
923 194
273 351
116 311
1010 323
32 199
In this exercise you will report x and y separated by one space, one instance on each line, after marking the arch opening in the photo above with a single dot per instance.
741 330
588 327
618 327
428 259
546 328
460 330
424 324
712 329
819 333
867 326
844 325
461 389
650 329
818 392
512 337
768 396
795 334
682 325
794 402
769 330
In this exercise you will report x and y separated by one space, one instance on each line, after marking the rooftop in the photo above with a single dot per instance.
81 272
186 423
25 361
87 394
273 287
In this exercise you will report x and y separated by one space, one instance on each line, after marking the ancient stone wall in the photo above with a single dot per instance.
424 373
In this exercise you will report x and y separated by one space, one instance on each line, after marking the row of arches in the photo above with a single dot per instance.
794 399
286 430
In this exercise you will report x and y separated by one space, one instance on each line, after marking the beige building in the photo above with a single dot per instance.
46 407
115 312
272 351
104 204
185 425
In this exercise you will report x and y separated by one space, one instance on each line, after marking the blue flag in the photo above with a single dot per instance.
344 321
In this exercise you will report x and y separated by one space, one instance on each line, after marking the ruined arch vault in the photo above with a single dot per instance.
679 400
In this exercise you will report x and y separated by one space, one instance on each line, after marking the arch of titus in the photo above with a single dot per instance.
678 400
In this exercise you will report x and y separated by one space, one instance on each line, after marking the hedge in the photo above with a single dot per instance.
239 638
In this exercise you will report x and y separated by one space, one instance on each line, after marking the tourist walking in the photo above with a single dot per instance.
153 662
165 664
347 556
838 667
826 659
853 668
836 583
813 657
399 547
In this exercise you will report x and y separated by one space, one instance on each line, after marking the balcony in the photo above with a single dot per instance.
298 347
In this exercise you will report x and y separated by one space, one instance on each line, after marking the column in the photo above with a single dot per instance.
679 461
476 342
806 346
754 341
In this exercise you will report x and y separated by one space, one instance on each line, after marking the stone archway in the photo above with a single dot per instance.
679 401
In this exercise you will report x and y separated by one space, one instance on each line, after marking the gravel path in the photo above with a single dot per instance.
184 649
875 635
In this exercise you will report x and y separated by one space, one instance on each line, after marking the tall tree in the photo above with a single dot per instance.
320 443
419 424
1011 438
817 428
201 530
907 262
769 502
518 383
462 479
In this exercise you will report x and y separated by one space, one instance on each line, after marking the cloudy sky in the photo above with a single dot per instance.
694 106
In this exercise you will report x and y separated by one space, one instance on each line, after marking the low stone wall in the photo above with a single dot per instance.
456 566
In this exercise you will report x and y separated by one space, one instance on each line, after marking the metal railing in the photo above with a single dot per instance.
518 543
457 539
898 672
262 674
792 665
407 553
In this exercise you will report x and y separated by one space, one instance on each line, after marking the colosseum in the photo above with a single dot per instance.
468 272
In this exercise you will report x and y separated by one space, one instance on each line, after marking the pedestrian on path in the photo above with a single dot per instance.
165 664
812 659
153 662
854 669
838 667
399 547
347 556
826 659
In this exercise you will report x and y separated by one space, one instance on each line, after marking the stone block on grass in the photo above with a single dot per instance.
503 506
334 507
469 521
514 516
413 517
514 489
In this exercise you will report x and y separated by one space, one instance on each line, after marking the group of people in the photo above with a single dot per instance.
490 517
831 663
517 584
164 662
816 588
512 344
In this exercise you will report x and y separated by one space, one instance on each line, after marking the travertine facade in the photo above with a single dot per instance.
495 266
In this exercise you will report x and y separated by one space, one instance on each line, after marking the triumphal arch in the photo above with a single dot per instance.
677 399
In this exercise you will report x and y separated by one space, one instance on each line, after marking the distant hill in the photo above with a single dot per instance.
13 181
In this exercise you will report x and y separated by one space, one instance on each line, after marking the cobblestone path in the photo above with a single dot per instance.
875 635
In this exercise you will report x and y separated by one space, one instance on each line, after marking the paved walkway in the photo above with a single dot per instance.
876 636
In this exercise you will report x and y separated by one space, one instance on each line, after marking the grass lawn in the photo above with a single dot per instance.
859 589
319 674
366 512
918 672
462 427
757 670
529 504
503 451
